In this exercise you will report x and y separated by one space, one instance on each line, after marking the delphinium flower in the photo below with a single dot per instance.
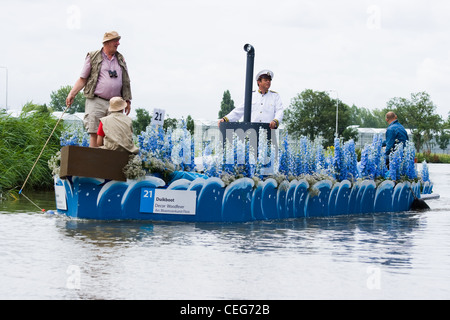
320 166
250 161
314 158
228 157
408 166
369 161
340 170
296 161
167 147
425 172
379 162
395 159
148 143
328 161
211 165
70 138
263 162
302 156
284 162
206 154
85 140
350 160
240 152
363 165
182 152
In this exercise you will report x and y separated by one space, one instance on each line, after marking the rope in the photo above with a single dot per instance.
43 210
26 180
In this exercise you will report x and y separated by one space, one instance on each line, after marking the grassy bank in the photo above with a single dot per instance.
433 157
21 141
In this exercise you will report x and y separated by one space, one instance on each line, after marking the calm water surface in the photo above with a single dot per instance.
383 256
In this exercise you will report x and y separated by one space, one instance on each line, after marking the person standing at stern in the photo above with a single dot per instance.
104 76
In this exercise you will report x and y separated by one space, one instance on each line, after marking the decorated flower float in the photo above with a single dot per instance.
234 183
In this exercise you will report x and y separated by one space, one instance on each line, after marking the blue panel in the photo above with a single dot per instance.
342 199
209 203
317 206
236 204
269 199
290 199
301 196
281 200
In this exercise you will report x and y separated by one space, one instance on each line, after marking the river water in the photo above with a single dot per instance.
382 256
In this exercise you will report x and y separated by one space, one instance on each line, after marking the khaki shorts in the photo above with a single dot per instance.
95 109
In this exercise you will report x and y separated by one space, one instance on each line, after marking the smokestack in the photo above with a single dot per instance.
249 82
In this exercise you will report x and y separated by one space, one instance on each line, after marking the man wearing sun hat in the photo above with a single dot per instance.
266 104
104 75
115 131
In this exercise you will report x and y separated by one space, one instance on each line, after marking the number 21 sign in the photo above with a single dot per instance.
158 116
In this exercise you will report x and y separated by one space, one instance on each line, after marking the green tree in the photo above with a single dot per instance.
417 114
313 114
58 100
447 123
366 118
227 104
143 119
190 124
170 123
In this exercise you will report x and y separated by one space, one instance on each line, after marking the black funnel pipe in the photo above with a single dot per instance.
249 82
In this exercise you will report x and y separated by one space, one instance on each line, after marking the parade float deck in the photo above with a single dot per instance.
192 197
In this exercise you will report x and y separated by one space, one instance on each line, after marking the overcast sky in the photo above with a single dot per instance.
182 55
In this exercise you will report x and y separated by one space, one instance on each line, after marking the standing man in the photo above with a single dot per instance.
266 104
104 76
395 134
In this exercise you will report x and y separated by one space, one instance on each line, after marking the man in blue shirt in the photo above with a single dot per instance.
395 134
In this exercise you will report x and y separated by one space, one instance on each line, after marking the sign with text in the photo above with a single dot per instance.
168 201
60 193
158 116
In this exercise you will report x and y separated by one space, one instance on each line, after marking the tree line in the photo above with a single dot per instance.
313 114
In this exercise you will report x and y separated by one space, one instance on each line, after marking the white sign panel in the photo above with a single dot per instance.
158 116
168 201
60 194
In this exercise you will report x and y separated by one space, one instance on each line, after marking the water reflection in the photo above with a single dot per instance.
384 238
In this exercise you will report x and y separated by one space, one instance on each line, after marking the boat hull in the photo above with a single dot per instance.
209 200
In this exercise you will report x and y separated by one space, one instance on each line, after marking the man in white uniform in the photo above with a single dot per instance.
266 104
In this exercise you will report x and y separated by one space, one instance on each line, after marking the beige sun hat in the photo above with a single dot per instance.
117 104
111 35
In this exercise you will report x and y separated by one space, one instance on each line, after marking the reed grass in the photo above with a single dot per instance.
21 141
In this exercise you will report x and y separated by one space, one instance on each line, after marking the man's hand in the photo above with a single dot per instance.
79 84
128 107
69 99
